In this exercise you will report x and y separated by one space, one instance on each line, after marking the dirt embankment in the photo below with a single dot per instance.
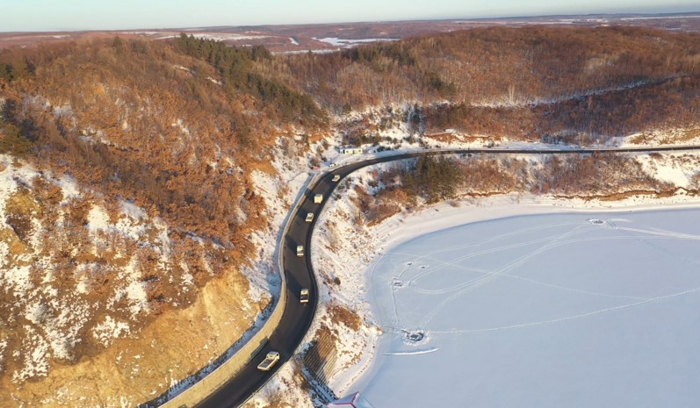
136 370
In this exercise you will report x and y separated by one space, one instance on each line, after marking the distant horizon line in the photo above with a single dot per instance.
466 19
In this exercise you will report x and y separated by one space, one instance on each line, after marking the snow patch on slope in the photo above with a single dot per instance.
109 329
3 348
35 362
51 280
677 169
98 219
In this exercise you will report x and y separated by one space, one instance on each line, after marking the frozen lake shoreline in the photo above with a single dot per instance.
513 292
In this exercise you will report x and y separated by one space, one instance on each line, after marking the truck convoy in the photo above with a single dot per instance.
269 361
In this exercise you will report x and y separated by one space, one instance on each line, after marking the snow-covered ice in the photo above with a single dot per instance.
230 36
343 42
558 310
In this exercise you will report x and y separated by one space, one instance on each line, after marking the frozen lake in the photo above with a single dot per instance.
565 310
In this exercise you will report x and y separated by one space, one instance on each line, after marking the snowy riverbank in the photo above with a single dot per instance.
402 231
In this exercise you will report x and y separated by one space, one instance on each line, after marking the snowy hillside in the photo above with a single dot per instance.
80 279
60 248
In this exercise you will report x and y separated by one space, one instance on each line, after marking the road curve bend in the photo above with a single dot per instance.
297 317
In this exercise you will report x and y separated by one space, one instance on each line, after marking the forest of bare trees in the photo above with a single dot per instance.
175 126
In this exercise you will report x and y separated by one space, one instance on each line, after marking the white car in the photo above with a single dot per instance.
309 217
300 251
336 178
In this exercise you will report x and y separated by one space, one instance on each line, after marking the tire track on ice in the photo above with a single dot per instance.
492 239
476 283
569 318
479 253
552 244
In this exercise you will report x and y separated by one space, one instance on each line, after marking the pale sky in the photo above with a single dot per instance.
48 15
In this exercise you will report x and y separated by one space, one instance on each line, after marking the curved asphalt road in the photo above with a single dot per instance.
297 317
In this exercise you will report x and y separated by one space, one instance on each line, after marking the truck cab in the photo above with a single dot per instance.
270 360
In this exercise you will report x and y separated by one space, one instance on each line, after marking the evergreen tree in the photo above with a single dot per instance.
5 72
236 66
433 179
21 69
12 141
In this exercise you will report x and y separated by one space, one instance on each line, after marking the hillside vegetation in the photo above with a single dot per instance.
133 124
131 168
527 82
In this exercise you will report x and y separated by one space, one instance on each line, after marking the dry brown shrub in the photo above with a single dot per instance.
20 210
695 180
342 315
327 334
380 211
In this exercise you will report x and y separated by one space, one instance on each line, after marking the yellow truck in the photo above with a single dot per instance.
304 296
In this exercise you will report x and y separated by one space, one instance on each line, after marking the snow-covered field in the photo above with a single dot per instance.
343 42
558 310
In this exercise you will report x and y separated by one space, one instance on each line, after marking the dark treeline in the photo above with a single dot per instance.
432 178
17 136
237 68
17 68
